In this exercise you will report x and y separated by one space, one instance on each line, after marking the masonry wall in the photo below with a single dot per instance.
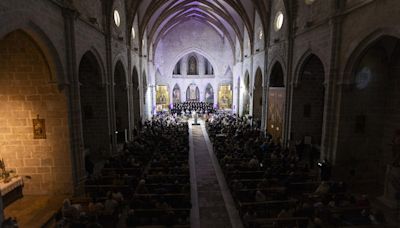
27 90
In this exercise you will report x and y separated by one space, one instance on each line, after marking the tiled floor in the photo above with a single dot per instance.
34 211
213 210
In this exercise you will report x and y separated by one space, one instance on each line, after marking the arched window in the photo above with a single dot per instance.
177 69
209 70
192 66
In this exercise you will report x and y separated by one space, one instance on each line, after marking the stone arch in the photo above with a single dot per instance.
192 93
276 102
37 34
121 102
192 65
96 56
307 110
35 112
300 63
209 94
368 111
277 78
176 94
93 100
258 95
360 48
197 51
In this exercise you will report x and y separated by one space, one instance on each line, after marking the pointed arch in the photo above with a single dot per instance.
192 65
121 101
192 93
37 34
41 103
258 95
176 94
307 111
93 100
209 94
277 78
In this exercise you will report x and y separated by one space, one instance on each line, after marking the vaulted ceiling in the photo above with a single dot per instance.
230 18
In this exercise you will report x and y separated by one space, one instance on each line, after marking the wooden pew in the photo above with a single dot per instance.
300 222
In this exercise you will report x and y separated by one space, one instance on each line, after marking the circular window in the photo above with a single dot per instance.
309 2
133 33
278 21
117 18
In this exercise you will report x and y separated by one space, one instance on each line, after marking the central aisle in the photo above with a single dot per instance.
212 203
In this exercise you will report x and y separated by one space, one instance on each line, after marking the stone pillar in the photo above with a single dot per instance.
75 122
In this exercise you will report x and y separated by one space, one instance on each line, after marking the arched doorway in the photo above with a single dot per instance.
369 124
308 102
176 94
209 94
246 95
258 97
35 136
121 103
276 102
93 97
136 98
192 93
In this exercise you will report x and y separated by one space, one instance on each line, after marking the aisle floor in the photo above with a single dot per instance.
212 202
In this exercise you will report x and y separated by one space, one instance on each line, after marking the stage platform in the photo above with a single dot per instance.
34 211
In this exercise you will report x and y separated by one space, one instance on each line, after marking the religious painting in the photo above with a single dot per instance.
162 97
192 93
39 128
176 94
192 66
276 107
209 96
225 97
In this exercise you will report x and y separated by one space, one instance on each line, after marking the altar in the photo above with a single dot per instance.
11 191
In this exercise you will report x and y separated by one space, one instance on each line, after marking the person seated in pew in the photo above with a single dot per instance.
260 197
304 210
93 222
110 206
254 163
285 213
117 196
95 208
322 189
363 201
141 188
315 223
339 187
377 217
9 223
131 220
248 216
263 184
70 211
236 185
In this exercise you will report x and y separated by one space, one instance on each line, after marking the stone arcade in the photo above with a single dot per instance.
83 81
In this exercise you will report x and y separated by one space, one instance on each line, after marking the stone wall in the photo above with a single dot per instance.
29 89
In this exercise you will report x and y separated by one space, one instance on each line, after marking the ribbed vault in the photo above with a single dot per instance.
230 18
